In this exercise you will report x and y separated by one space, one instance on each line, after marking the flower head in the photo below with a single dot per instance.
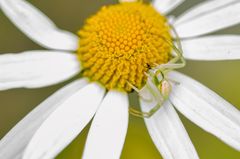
124 47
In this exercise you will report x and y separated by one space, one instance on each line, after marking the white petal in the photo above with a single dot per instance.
14 143
206 109
213 20
166 6
225 47
168 132
65 123
108 130
201 9
33 69
38 26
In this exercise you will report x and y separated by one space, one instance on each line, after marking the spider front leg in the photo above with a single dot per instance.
164 68
175 63
171 65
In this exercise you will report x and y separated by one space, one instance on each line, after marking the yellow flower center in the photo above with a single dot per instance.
122 42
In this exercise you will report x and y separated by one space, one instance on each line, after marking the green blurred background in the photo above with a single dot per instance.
222 77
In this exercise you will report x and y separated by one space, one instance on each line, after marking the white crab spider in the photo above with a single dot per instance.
158 83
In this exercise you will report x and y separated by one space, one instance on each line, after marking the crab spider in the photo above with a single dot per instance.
158 84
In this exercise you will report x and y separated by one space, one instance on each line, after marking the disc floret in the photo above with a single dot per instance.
122 42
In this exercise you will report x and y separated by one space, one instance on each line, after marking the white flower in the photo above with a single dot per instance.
52 125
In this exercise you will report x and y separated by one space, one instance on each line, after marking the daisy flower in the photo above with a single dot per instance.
130 46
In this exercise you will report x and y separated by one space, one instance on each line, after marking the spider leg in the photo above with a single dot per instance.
145 114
